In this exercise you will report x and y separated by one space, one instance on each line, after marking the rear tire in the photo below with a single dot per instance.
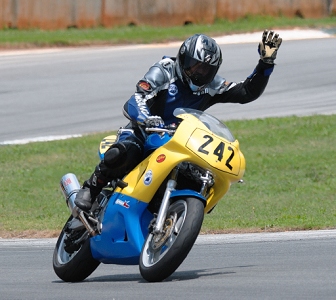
161 256
76 266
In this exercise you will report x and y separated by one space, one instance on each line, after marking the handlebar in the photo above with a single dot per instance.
156 129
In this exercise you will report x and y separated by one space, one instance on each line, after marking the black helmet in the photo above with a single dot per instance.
198 61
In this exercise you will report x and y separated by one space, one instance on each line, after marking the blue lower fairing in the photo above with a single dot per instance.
125 227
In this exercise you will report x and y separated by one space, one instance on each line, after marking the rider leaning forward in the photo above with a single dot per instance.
188 80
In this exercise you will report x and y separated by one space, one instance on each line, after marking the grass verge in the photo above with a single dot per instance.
13 38
289 179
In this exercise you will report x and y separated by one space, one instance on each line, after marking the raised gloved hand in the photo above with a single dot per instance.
268 47
154 121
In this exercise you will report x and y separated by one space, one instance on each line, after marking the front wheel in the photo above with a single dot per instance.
163 253
72 260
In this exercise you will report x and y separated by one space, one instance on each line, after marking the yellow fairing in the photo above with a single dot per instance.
193 142
106 143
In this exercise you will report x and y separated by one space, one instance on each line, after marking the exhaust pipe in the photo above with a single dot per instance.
70 187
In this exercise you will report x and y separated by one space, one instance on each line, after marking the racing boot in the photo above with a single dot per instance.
102 175
90 190
83 198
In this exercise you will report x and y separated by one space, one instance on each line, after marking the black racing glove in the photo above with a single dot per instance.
268 47
154 121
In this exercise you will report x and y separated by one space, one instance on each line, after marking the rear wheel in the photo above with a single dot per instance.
163 253
73 261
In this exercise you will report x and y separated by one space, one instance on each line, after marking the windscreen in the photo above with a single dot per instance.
212 123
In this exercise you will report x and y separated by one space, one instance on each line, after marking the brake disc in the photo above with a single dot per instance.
161 238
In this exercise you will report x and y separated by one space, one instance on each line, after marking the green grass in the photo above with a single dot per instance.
145 34
290 176
289 180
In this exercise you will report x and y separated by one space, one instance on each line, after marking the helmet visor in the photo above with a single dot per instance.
200 73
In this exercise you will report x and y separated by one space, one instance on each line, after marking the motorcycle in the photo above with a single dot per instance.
153 216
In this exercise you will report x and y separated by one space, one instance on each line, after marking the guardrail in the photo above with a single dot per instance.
60 14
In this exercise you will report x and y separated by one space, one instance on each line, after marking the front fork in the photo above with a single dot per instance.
161 217
158 226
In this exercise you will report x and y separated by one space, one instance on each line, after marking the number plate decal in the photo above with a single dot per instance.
217 152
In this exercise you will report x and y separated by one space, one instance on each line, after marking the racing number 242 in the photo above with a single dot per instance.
219 151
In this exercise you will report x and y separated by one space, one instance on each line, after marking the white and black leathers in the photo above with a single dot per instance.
161 90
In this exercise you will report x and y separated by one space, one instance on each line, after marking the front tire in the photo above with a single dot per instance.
162 255
75 266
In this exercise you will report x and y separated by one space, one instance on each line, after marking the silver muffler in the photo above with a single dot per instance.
70 187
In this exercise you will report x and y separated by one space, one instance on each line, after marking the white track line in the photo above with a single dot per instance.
40 139
204 239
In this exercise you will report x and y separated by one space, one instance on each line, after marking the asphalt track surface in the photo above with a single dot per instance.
60 92
287 265
54 93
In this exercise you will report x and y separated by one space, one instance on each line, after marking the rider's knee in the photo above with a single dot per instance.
114 155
